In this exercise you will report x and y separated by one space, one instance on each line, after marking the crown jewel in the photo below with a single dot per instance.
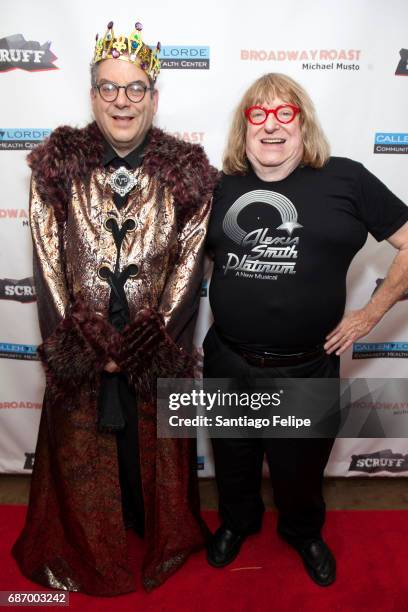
130 48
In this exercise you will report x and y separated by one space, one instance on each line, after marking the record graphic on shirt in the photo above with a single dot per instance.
265 255
282 204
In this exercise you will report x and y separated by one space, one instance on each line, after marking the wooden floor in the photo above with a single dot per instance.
340 493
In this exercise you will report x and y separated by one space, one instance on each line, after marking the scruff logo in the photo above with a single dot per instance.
18 290
182 57
312 59
17 52
193 137
391 142
20 139
402 68
18 351
381 461
390 350
378 284
29 461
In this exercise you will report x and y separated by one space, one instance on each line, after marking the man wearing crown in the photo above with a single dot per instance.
118 214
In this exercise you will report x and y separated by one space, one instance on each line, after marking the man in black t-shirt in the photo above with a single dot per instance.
286 222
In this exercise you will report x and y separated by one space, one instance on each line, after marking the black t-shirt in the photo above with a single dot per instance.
282 250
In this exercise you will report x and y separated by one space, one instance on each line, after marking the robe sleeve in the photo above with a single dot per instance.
180 299
49 278
159 342
77 343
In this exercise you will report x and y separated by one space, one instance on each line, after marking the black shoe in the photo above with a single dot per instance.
223 546
319 561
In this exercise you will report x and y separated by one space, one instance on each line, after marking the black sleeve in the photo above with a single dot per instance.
381 211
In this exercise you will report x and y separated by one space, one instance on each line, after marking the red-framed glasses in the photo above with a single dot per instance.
285 113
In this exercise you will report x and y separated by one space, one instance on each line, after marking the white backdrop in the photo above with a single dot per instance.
355 97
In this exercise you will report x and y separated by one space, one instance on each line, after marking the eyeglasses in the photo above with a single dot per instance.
135 92
285 113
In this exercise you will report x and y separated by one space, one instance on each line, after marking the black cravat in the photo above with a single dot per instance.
113 386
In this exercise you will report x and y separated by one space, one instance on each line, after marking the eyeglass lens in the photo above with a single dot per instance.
285 114
134 91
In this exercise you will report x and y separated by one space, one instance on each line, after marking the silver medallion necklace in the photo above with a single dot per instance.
122 181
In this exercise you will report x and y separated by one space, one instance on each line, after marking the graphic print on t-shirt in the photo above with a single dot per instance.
268 252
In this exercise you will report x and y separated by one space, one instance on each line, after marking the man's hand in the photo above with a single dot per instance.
354 325
111 367
358 323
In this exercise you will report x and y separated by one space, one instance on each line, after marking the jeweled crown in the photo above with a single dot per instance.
130 48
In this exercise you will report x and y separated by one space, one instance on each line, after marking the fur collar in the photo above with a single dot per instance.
71 154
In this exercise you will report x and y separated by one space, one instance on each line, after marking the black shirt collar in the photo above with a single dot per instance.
134 159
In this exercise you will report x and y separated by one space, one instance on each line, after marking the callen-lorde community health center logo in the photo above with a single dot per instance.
17 52
391 142
21 139
18 351
185 58
390 350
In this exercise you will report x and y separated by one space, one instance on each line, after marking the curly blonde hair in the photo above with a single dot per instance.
266 88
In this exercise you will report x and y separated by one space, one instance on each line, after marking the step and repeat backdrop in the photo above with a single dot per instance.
352 57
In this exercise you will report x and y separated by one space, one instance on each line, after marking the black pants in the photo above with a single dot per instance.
128 452
296 465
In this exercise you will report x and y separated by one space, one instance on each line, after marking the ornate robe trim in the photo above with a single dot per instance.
72 154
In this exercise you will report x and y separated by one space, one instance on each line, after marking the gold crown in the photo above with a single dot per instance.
130 48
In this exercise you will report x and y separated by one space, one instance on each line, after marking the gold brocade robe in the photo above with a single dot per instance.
74 536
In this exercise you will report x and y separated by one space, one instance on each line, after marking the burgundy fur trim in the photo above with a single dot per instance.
148 352
71 153
77 350
67 154
182 167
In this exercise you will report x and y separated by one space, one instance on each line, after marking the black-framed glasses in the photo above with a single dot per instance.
285 113
135 92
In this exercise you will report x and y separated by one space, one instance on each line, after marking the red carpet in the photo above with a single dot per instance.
371 550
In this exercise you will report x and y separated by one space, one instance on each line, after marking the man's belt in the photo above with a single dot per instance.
271 360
